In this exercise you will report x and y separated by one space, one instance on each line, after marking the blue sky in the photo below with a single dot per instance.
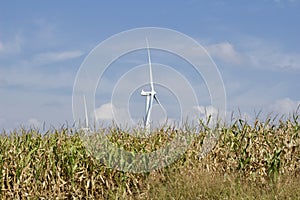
255 45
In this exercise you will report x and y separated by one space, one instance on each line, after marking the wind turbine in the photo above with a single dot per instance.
150 95
86 128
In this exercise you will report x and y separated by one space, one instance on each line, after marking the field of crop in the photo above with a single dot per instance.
258 161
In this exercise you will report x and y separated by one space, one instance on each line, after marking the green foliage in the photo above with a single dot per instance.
249 161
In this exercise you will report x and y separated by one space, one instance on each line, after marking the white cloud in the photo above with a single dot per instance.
264 56
284 106
108 113
50 57
255 52
207 110
27 74
207 113
224 51
12 46
104 112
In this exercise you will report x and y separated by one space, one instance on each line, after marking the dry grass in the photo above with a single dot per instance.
260 161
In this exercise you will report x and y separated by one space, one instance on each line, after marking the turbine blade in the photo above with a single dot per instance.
147 117
156 99
85 112
150 66
162 107
149 109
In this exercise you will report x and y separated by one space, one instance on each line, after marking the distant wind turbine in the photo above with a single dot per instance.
86 128
150 95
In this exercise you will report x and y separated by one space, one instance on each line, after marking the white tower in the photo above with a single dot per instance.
150 95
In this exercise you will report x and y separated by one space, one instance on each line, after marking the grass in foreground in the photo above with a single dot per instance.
260 161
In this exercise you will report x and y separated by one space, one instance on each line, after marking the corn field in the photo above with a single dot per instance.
258 161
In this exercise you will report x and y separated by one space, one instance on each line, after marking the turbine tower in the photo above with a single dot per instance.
86 128
150 95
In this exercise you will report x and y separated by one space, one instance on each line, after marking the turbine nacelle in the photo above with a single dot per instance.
148 93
